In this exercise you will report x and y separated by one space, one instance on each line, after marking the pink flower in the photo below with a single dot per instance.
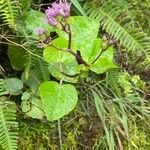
62 8
40 31
51 12
52 21
65 9
56 8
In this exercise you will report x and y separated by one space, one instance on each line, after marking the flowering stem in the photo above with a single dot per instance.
70 37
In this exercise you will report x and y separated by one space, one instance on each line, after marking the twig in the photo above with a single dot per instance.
14 43
80 59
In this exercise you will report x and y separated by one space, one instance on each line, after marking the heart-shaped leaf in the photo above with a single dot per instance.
58 100
84 33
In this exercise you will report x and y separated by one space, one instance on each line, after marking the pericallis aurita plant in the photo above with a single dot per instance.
71 55
58 16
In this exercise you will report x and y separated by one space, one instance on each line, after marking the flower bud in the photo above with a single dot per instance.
40 31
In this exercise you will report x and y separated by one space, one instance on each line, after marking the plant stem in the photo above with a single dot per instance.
73 53
98 56
59 132
70 37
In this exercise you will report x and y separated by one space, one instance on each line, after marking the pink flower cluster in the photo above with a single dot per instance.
61 8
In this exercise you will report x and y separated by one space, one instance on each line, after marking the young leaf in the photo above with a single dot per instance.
104 63
33 108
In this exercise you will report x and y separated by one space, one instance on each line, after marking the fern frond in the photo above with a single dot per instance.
29 64
114 22
37 66
112 80
41 69
9 12
145 65
8 125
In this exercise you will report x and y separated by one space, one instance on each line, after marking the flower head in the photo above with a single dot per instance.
58 8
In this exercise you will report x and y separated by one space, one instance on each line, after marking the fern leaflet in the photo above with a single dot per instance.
8 125
9 12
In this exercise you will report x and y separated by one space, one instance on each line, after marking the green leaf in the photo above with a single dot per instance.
10 86
59 71
17 57
104 63
25 4
54 55
34 20
33 80
33 108
26 96
125 83
14 86
58 100
95 50
84 34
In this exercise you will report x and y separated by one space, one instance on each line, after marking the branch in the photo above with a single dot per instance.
16 44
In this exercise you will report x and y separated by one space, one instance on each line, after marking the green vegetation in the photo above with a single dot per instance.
74 76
